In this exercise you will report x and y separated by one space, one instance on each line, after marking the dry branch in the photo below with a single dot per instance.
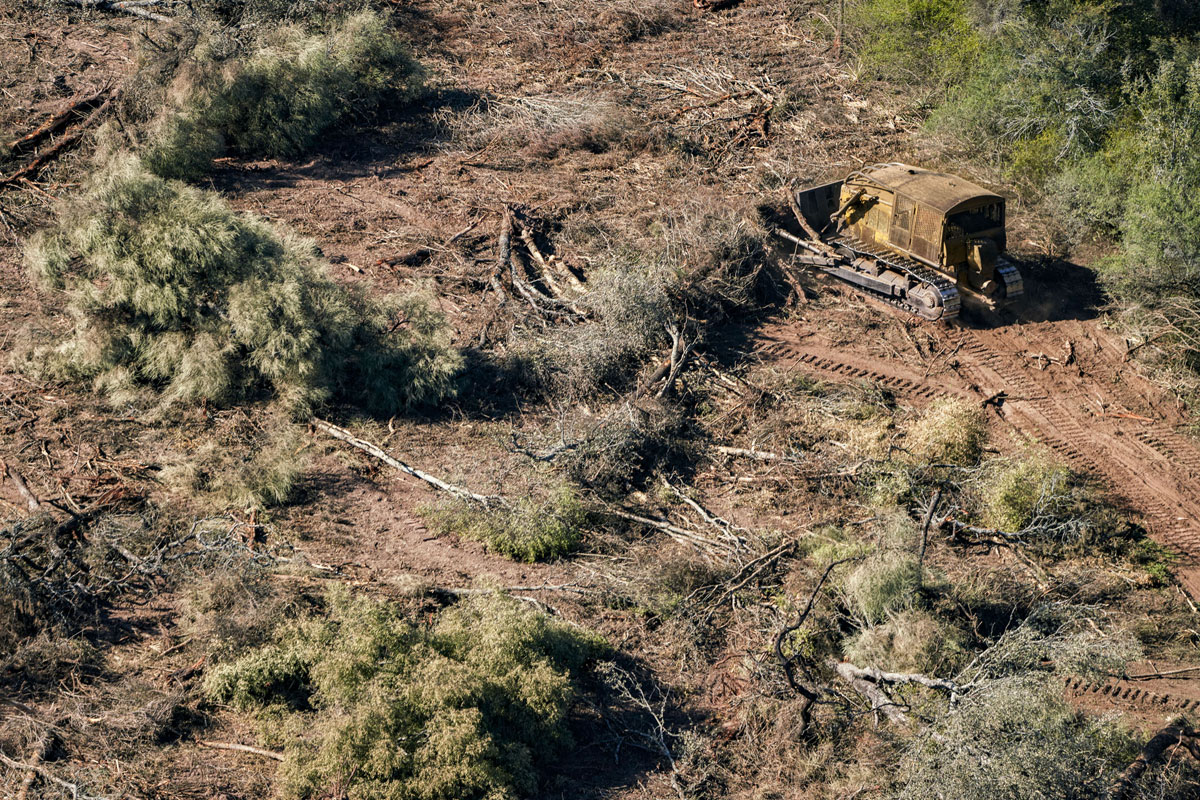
48 776
133 8
241 748
378 452
55 122
748 573
50 153
702 543
955 527
787 663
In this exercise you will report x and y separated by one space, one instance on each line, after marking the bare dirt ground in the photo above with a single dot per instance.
415 180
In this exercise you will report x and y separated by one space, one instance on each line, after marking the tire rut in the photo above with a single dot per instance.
797 356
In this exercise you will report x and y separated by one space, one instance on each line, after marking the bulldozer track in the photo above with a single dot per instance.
1150 467
946 288
823 364
1121 692
1062 433
1172 446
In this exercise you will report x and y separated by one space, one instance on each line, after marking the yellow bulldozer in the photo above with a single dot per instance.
918 239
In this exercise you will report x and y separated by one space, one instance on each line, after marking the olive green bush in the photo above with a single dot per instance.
252 466
903 40
1016 738
173 291
884 583
911 640
369 703
276 95
950 431
528 531
1037 496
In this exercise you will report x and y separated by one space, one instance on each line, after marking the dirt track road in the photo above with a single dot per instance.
1068 385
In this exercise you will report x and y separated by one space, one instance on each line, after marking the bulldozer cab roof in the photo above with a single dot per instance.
947 194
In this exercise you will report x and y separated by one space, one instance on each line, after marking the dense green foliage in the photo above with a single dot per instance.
173 290
1016 738
529 531
275 96
370 704
1093 105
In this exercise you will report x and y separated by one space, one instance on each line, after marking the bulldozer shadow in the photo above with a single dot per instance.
1055 290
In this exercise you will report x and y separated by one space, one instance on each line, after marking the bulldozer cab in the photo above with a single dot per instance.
930 216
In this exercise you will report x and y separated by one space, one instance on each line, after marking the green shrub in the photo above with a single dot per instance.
528 531
949 431
1034 491
1156 560
929 42
1016 738
1042 95
172 290
472 706
278 98
881 585
912 640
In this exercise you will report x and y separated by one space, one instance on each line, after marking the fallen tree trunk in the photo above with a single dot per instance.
875 696
379 453
1169 738
879 677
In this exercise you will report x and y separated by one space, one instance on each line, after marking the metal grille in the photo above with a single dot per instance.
927 235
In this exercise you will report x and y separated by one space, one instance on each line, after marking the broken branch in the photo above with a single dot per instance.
55 122
49 776
241 748
124 8
34 166
378 452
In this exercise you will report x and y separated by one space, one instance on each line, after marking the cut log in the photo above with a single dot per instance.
1166 739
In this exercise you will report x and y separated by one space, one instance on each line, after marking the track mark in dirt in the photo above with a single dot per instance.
1093 410
795 354
1151 467
1138 699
